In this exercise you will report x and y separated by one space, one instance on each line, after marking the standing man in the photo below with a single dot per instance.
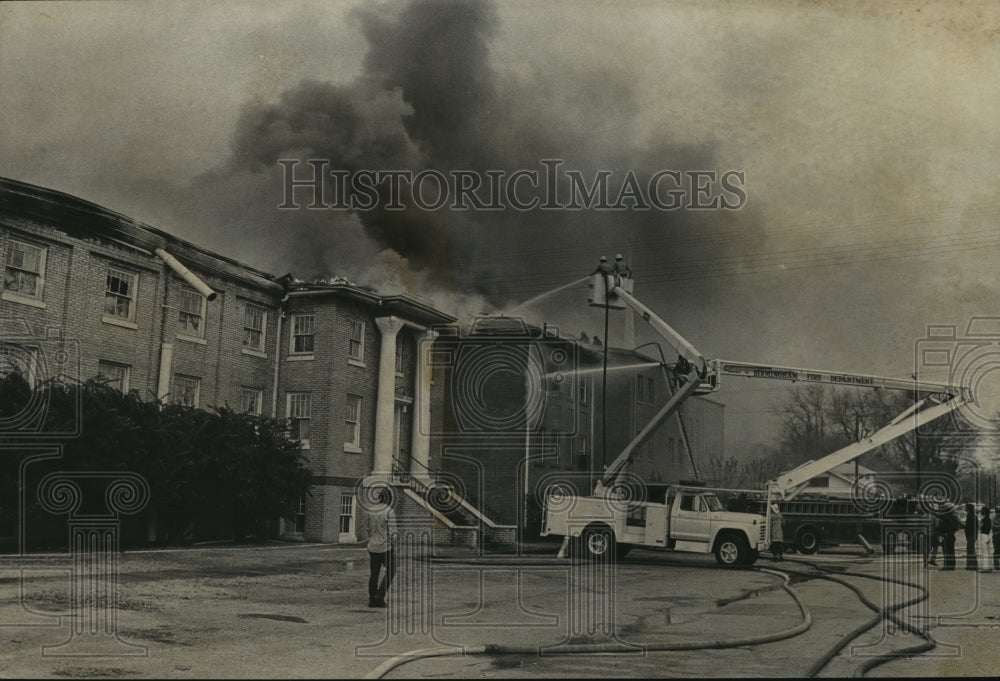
935 538
381 534
622 269
985 545
971 530
948 527
996 538
777 534
604 267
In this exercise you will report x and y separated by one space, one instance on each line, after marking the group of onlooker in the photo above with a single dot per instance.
982 538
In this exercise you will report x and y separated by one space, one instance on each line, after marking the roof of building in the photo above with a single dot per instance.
405 306
77 217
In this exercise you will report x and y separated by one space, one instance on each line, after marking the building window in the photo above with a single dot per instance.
302 334
119 295
356 342
25 271
353 421
251 400
185 390
300 516
21 360
192 313
113 375
300 414
347 514
254 323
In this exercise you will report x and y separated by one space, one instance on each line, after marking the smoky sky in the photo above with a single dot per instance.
428 98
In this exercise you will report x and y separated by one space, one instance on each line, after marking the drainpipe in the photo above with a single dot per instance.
185 274
277 357
166 348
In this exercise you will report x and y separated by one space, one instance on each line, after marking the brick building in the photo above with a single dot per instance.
161 316
492 410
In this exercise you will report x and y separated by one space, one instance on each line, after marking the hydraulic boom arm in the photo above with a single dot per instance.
789 484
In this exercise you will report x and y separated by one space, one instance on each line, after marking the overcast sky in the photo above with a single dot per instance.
868 133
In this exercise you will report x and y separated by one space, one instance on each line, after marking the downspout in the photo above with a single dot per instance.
166 349
186 274
277 357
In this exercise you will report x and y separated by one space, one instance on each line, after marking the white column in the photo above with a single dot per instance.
420 445
386 399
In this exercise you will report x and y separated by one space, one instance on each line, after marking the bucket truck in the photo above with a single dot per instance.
691 517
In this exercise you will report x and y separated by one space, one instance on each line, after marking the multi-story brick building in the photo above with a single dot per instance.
358 398
493 410
161 316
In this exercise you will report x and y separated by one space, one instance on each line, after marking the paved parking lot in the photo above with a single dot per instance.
296 610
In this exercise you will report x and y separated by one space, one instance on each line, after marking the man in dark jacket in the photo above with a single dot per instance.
996 538
947 528
971 530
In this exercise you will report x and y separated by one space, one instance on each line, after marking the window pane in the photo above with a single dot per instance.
303 344
185 390
191 301
355 344
353 420
250 400
253 328
120 288
302 333
113 375
303 324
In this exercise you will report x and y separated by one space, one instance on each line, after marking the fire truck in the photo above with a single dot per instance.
687 516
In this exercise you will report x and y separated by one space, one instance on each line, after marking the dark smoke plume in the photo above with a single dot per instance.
431 98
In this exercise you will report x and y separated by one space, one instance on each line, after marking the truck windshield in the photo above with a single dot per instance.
713 502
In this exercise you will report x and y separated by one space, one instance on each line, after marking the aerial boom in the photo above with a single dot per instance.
789 484
672 405
720 367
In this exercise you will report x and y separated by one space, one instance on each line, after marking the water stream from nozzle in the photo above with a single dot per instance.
546 294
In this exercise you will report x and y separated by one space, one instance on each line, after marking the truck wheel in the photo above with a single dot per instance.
598 542
807 541
732 549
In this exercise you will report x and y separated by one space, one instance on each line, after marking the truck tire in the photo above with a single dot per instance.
807 540
597 542
732 549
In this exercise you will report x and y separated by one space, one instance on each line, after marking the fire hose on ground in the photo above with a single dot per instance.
595 648
802 627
